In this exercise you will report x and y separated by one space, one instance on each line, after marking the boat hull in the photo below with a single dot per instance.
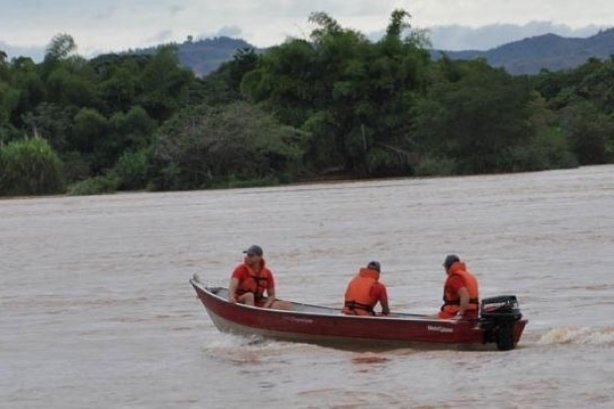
321 325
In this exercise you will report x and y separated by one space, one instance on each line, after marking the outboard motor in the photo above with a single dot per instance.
497 317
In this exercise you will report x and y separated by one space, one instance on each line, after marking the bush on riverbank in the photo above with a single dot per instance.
30 167
94 186
131 170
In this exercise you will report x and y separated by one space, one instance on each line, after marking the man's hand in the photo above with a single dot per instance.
458 316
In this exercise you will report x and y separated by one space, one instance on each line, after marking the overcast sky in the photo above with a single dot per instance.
115 25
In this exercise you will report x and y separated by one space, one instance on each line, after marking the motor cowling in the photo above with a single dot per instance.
497 317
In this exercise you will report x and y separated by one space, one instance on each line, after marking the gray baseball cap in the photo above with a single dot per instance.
254 250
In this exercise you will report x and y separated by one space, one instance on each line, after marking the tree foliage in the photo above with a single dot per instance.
203 145
473 116
354 96
334 102
30 167
61 46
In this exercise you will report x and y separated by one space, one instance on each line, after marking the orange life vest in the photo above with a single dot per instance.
358 299
451 299
256 283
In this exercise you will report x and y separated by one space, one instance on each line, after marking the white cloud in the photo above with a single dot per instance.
229 31
458 37
484 12
163 36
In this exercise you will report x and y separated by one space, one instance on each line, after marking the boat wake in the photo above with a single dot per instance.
226 341
579 336
251 349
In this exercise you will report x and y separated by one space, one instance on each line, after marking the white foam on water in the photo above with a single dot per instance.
578 336
228 343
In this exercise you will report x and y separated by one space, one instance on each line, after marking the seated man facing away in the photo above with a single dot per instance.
251 279
364 291
460 291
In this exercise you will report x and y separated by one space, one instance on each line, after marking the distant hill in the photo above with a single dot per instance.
205 56
526 56
548 51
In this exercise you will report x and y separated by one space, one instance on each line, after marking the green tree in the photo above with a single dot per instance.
131 169
244 61
124 134
164 84
474 119
118 80
54 122
61 46
4 67
352 95
135 128
285 82
9 101
30 167
591 132
205 145
70 89
89 137
32 93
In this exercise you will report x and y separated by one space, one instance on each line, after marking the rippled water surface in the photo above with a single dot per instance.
96 310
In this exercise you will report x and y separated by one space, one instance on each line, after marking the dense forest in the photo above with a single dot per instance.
333 105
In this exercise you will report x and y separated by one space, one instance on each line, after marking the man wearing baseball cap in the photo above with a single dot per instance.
364 292
460 293
251 279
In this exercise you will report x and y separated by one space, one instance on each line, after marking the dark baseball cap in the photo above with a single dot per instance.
450 259
374 265
254 250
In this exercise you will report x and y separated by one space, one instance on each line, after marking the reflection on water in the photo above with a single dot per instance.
97 311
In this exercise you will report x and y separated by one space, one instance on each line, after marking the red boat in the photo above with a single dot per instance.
500 324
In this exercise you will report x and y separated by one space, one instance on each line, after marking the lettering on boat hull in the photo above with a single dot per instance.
437 328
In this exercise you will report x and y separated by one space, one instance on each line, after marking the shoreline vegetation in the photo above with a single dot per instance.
336 106
298 183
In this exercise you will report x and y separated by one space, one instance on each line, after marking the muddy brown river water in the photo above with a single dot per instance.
96 310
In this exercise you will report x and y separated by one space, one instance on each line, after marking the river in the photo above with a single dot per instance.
96 310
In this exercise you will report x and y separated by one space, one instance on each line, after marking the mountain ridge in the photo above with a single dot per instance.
548 51
527 56
206 55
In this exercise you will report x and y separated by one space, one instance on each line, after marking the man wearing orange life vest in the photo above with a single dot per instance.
364 292
460 292
251 279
